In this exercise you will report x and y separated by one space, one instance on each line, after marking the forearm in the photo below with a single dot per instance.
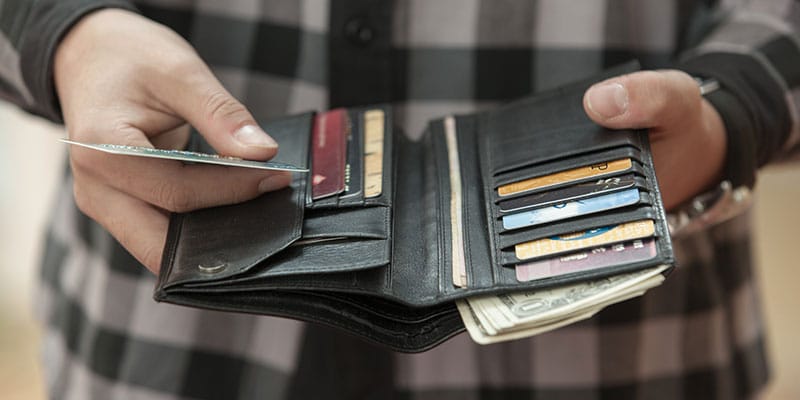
754 54
30 30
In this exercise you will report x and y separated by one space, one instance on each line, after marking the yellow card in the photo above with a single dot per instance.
373 153
594 170
585 239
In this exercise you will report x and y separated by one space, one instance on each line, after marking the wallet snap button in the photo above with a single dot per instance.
212 268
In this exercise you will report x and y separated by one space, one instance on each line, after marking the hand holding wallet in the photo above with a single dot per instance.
488 207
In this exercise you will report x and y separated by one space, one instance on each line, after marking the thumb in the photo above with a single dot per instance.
647 99
224 122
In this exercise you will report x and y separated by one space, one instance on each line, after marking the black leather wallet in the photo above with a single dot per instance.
381 267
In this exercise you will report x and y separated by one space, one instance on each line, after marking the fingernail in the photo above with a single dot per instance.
251 135
608 100
274 182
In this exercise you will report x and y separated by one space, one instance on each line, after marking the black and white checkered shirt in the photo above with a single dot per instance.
699 336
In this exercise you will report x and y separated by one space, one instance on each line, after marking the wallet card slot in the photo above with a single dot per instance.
554 242
366 222
527 187
509 256
369 162
466 261
579 191
510 238
508 276
441 162
611 202
570 163
354 177
378 122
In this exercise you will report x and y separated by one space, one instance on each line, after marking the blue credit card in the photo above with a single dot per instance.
571 209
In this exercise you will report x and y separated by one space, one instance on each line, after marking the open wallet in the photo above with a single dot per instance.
403 242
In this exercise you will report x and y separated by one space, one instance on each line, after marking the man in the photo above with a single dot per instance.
117 77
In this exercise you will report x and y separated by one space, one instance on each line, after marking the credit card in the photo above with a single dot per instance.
570 175
571 209
585 239
561 195
599 257
186 156
328 148
373 153
354 170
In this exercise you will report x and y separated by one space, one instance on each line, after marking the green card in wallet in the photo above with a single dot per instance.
510 223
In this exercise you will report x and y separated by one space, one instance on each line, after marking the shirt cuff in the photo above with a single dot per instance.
753 109
49 22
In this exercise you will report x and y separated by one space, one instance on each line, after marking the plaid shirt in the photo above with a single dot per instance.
698 336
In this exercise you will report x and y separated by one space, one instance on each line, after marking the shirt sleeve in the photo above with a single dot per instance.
30 31
754 54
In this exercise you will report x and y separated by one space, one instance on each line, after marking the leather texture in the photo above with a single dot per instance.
380 268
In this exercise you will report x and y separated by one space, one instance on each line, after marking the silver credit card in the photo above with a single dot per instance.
187 156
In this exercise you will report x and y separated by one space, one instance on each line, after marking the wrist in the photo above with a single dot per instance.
719 201
82 39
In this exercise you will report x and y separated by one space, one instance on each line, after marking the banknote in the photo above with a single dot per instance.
495 318
544 305
481 335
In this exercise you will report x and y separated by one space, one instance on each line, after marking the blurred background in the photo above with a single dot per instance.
31 161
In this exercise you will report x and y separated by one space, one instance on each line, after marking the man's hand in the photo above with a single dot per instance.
123 79
687 134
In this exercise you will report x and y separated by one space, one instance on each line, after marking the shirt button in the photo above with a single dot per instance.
358 32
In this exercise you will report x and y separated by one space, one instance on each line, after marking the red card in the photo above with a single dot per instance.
328 153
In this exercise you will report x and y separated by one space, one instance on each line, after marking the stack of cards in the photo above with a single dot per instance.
346 157
579 192
570 201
